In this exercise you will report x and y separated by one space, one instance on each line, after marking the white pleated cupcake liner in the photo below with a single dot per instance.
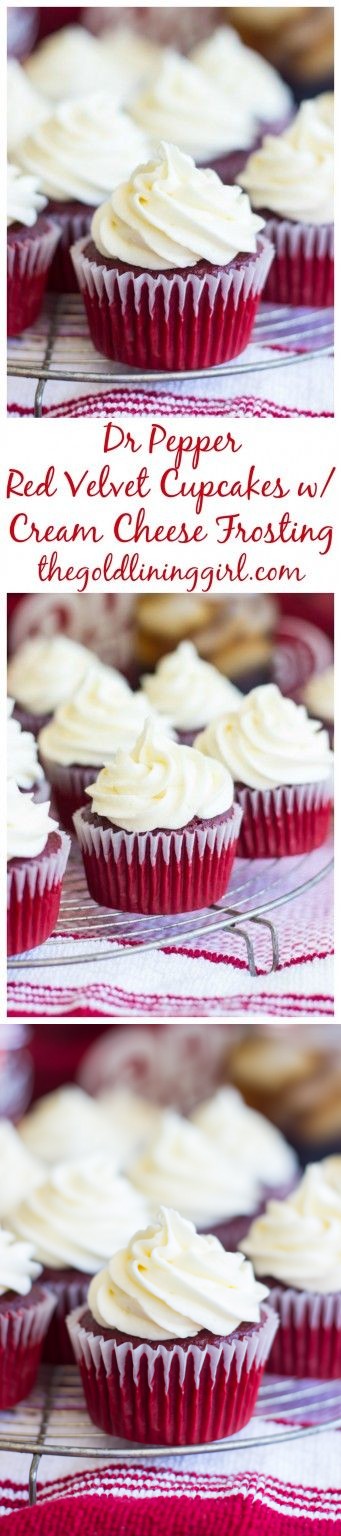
291 1304
26 1326
244 281
313 239
287 797
106 841
26 257
251 1351
41 876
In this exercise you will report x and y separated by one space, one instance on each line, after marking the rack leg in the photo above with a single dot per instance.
32 1481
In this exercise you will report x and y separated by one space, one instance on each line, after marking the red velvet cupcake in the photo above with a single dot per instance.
180 1166
32 239
42 673
161 835
187 691
26 1307
102 715
159 1364
290 179
173 274
181 104
37 854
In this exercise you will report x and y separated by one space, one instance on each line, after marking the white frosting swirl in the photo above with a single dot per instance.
132 1118
24 198
170 1282
17 1266
28 823
298 1241
70 63
293 175
181 104
43 672
183 1167
67 1124
247 78
81 1213
160 784
318 694
172 214
248 1136
102 717
22 754
132 59
313 127
25 108
269 741
188 690
83 150
20 1171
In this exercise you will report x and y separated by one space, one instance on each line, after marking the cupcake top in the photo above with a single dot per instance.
21 1172
80 1214
298 1241
102 716
24 198
243 74
170 1282
84 149
133 1119
22 754
67 1124
269 741
25 106
188 690
243 1133
18 1268
160 784
28 824
132 59
180 103
43 672
181 1165
172 214
70 62
293 175
318 694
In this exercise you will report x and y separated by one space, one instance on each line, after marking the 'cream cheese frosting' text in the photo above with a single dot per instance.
159 784
80 1214
244 75
28 824
180 103
25 200
171 214
170 1282
22 755
293 174
243 1133
298 1241
269 741
18 1267
83 150
187 690
102 717
67 1124
183 1167
43 672
20 1172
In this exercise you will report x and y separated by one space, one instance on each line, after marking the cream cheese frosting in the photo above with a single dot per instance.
102 716
20 1170
132 58
80 1214
313 126
25 200
298 1241
269 741
172 214
188 690
45 671
293 174
183 1167
67 1124
170 1282
318 694
18 1268
69 63
28 824
22 754
160 784
243 74
180 103
25 106
83 149
133 1119
248 1136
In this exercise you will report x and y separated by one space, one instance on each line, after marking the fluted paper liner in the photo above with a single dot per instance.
28 264
68 1294
290 819
308 1341
33 896
74 224
22 1331
157 872
69 783
302 271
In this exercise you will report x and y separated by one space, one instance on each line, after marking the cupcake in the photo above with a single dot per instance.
174 270
37 854
42 673
31 242
132 1120
21 1171
22 758
241 1133
69 63
65 1125
181 104
188 691
26 1307
181 1165
101 717
79 154
281 765
246 78
161 832
296 1244
26 107
318 697
172 1344
74 1221
291 180
131 57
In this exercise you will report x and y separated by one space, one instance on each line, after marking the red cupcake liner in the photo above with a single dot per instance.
69 1289
181 1392
24 1321
159 871
33 894
302 271
29 256
308 1341
69 787
288 820
74 221
172 321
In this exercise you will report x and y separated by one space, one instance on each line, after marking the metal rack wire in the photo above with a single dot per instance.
58 347
257 889
54 1421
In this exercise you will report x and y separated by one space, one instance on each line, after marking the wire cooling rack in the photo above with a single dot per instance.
58 346
256 890
54 1421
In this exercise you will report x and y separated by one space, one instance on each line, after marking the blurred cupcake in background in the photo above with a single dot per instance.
208 1184
37 855
244 1134
318 697
290 180
22 758
26 1307
297 39
26 107
41 674
69 63
65 1125
102 717
188 691
244 76
183 106
295 1246
32 238
236 635
20 1169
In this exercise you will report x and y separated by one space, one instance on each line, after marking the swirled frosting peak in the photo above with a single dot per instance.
318 694
181 1165
160 784
243 1133
81 1213
102 716
24 197
22 754
269 741
20 1172
170 1282
83 149
43 672
67 1124
172 214
28 823
247 78
298 1241
313 127
18 1267
180 103
293 174
188 690
70 62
